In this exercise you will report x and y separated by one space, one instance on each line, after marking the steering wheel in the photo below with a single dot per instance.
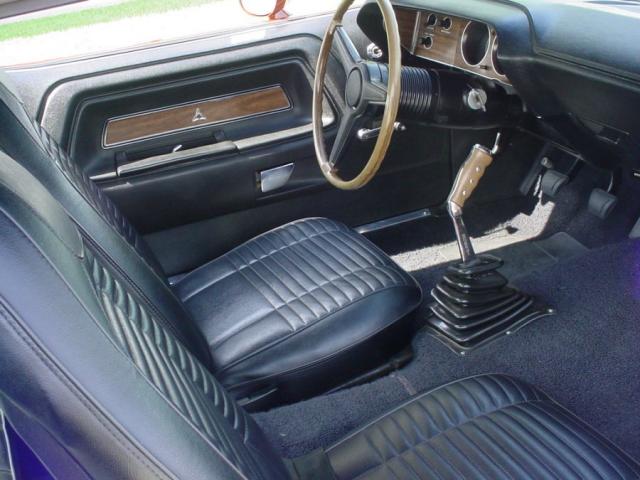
368 83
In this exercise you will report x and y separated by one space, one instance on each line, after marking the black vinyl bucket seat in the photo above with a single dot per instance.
294 311
98 385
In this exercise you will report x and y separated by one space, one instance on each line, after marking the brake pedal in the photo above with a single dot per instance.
602 203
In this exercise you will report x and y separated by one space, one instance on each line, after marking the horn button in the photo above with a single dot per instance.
355 84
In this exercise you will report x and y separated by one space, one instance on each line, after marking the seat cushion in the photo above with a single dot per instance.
489 426
296 300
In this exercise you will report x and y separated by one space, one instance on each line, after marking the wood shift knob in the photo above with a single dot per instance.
470 174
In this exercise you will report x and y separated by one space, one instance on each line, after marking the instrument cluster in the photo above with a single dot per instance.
454 41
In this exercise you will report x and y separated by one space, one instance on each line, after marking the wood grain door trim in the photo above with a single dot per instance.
187 116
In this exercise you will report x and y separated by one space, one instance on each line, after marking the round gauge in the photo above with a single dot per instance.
494 57
475 43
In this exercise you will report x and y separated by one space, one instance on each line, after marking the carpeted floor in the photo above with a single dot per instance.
586 357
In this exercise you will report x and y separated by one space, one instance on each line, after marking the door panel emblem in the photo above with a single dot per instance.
198 116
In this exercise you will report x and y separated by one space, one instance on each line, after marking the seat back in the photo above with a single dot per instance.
95 215
90 378
24 139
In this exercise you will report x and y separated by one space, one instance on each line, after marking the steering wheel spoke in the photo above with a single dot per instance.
349 123
350 53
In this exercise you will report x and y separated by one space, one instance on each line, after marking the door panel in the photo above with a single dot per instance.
188 175
113 129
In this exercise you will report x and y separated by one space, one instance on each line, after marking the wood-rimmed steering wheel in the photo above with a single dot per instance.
367 84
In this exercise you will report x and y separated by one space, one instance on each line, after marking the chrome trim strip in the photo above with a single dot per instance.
393 221
259 140
104 176
107 146
175 157
416 31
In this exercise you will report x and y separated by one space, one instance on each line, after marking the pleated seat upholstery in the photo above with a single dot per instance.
484 427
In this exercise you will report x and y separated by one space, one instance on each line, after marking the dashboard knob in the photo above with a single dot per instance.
431 21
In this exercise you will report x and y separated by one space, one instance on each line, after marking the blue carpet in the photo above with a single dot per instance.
587 357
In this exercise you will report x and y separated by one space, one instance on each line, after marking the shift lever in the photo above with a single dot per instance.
473 302
466 182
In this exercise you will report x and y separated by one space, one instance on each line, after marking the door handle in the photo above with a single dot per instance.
275 178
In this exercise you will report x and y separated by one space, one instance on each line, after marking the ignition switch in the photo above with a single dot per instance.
477 99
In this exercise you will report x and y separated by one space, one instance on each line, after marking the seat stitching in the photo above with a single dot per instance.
268 300
559 433
461 455
437 434
185 400
418 454
493 443
396 455
284 302
541 425
289 308
320 286
306 290
255 320
414 424
563 413
444 411
487 391
486 456
112 427
443 458
353 247
540 441
379 259
362 250
415 400
500 430
296 332
273 231
344 266
246 264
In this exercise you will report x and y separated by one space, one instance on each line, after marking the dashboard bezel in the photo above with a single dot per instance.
446 46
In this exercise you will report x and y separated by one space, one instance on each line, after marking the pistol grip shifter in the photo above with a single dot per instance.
469 175
473 303
466 182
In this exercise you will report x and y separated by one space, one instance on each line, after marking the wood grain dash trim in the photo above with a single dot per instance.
211 111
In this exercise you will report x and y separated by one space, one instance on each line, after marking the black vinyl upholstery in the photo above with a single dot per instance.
277 313
485 427
87 360
100 385
299 291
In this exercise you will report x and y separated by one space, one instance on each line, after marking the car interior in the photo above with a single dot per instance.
398 240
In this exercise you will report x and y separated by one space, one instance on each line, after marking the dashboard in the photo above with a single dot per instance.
451 40
579 83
